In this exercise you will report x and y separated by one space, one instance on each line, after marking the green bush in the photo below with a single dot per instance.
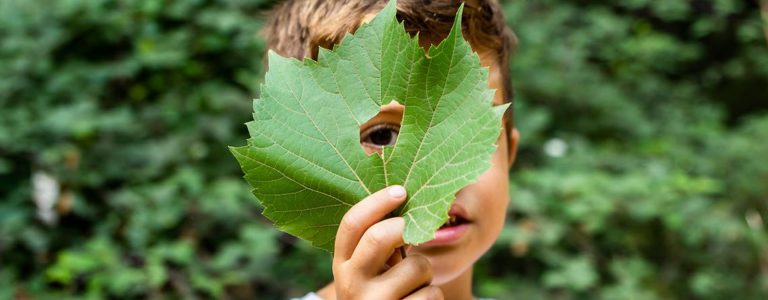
641 173
130 106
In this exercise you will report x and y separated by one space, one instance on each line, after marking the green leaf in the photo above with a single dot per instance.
304 158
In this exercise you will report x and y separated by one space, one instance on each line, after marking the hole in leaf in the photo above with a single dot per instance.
383 129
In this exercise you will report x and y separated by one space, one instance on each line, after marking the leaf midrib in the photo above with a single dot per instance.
432 116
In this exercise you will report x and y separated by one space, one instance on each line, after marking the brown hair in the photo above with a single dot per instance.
296 28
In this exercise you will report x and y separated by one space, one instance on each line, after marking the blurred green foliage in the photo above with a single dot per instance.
642 172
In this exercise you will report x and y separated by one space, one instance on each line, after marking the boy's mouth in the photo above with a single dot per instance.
453 230
456 217
454 221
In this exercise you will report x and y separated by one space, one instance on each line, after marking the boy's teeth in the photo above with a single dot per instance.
452 220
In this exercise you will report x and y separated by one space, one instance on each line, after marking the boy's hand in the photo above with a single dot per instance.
366 263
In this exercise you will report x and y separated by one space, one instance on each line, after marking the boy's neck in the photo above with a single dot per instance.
460 288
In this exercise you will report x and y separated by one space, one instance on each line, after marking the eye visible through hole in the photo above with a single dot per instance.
380 135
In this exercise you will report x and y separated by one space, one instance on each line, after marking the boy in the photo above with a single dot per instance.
366 263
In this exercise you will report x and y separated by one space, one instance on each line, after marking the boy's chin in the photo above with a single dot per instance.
446 267
442 273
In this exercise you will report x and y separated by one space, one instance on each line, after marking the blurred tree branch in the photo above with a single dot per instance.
764 14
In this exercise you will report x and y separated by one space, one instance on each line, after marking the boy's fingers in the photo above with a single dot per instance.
376 246
413 272
395 257
426 293
363 215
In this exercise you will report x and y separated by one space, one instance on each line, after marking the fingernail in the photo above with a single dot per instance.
396 191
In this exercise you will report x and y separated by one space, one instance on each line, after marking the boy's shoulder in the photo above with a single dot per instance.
313 296
309 296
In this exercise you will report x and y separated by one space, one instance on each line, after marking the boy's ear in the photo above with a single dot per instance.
514 137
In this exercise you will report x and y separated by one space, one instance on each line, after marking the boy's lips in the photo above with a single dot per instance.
458 211
454 229
448 235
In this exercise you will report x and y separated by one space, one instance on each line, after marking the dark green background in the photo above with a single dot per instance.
642 173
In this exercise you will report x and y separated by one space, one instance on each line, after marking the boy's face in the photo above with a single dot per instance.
480 208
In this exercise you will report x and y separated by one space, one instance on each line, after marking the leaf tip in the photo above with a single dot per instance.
500 110
457 21
386 15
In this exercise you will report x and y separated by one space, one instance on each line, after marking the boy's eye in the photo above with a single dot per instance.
380 135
